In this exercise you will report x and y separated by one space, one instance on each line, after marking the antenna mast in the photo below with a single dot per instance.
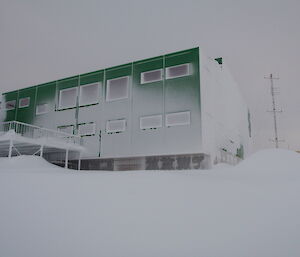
274 109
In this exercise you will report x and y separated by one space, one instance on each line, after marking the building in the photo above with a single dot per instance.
175 111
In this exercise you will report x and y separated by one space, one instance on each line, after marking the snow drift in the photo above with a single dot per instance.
27 163
272 160
248 210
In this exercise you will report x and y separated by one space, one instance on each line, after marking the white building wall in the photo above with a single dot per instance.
224 110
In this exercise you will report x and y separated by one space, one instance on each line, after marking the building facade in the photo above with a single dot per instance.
174 111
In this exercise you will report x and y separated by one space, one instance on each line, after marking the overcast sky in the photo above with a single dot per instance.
41 41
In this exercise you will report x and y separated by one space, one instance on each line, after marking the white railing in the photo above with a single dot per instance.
35 132
227 157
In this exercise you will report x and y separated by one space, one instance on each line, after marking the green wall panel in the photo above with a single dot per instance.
148 97
67 83
91 77
11 114
183 94
186 88
191 55
46 93
119 71
144 66
26 114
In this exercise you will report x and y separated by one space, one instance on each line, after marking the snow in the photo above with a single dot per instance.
26 164
251 209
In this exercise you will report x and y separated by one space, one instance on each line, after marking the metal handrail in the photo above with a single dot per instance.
227 157
32 131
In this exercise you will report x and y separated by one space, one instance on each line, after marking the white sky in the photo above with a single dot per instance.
41 41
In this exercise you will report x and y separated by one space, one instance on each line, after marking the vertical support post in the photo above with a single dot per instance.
41 150
79 161
274 111
10 148
67 157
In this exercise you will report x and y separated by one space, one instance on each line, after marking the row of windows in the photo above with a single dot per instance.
119 125
67 99
23 102
171 72
117 89
172 119
84 129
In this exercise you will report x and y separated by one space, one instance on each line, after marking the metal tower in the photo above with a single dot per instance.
274 110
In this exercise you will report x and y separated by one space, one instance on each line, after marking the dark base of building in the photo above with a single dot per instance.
166 162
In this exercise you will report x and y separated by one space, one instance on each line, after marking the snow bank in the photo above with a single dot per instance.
26 163
224 212
272 160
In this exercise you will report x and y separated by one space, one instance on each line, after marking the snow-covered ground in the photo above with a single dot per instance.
252 210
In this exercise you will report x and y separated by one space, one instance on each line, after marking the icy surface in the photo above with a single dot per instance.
250 210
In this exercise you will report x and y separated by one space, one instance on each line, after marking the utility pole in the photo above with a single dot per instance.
274 110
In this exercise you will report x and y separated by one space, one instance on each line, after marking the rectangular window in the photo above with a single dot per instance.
117 88
67 98
87 129
151 76
24 102
178 71
151 122
178 118
66 129
115 126
42 108
89 94
10 105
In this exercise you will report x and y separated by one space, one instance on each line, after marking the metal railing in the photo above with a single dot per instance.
35 132
227 157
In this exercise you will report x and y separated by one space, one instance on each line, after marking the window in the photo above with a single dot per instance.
115 126
89 94
87 129
178 118
10 105
24 102
67 98
151 122
66 129
178 71
117 88
42 108
151 76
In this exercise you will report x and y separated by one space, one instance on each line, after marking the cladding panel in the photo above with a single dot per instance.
45 95
26 114
92 77
147 100
183 94
11 96
119 109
